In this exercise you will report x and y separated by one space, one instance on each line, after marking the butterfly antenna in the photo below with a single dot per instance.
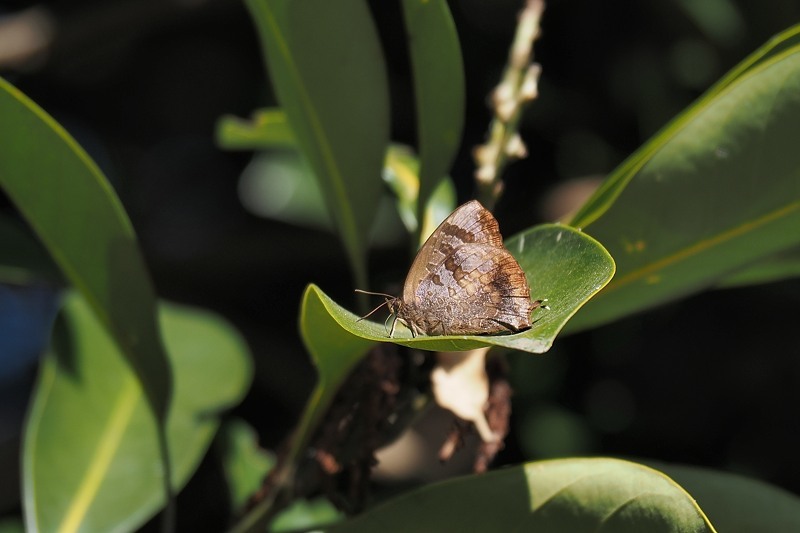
381 305
375 293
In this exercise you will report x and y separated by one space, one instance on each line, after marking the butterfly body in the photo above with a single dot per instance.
464 282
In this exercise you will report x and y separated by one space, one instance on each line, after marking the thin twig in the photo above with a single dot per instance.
518 87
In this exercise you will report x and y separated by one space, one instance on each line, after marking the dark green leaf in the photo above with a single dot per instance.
325 63
717 190
736 504
438 89
567 495
772 268
73 210
91 450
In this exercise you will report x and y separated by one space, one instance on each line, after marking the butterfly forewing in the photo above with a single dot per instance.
470 223
463 281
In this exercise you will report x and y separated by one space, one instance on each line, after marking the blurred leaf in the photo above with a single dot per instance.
718 189
306 514
736 504
563 265
440 204
574 495
72 208
245 463
280 186
773 268
267 128
438 89
325 63
401 173
90 452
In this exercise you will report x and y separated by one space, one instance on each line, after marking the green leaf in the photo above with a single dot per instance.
718 189
574 495
245 464
438 89
562 265
325 63
73 210
736 504
267 128
90 451
772 268
304 515
401 173
279 185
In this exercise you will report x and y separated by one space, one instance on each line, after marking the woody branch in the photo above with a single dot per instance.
518 87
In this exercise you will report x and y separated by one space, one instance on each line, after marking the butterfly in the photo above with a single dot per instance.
463 281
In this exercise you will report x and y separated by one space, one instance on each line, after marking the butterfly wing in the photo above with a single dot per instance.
478 289
469 224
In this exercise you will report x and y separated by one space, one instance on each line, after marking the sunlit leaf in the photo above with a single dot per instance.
574 495
562 265
267 128
401 173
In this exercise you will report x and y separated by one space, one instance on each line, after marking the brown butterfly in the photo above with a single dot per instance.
463 281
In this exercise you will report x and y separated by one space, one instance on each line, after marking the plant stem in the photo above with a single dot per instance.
518 87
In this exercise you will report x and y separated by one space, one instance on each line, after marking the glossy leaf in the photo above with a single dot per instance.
325 62
736 504
267 128
562 265
575 495
438 90
90 452
71 207
716 191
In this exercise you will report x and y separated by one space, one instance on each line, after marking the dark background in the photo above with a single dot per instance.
711 380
